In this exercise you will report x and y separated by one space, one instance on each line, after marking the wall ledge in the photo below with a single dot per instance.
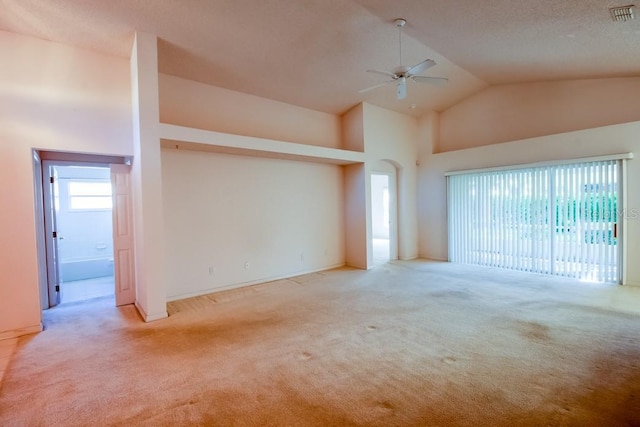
181 137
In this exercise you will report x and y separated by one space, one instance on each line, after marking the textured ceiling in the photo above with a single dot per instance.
508 41
314 53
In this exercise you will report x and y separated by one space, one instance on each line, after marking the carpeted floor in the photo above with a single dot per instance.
405 344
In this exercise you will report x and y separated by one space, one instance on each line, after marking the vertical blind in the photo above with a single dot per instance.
558 219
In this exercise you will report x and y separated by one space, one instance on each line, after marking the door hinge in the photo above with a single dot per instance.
55 234
51 179
57 288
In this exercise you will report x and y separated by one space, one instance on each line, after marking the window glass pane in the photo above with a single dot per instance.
85 188
91 202
558 220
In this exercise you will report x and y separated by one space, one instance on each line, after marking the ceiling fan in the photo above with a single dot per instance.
402 73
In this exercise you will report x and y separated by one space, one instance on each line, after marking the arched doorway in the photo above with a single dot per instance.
384 240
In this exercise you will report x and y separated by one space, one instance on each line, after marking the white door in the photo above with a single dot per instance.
123 254
50 190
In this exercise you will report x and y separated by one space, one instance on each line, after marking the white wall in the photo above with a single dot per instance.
52 97
605 140
193 104
516 111
146 176
282 217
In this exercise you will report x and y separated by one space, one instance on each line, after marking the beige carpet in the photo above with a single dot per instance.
406 344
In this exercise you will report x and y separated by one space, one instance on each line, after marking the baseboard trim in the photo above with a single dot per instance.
358 266
435 259
15 333
251 283
150 318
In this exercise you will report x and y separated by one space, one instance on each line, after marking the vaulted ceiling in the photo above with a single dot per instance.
315 53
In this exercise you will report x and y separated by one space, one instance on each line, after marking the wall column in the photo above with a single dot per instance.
357 189
147 180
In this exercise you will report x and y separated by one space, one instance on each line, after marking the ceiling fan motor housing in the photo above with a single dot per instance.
401 70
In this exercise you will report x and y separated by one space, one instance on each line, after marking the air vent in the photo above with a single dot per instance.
622 13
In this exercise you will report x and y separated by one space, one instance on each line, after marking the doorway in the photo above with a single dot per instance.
85 227
382 218
78 212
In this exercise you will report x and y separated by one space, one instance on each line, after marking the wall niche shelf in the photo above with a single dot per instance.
186 138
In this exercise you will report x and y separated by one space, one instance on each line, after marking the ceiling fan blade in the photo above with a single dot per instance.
375 87
384 73
436 81
421 67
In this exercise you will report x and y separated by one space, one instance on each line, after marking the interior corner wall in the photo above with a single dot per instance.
198 105
352 131
606 140
427 175
358 250
237 220
393 137
428 133
513 112
357 216
58 98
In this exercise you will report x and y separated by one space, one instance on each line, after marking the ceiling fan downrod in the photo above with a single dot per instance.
400 23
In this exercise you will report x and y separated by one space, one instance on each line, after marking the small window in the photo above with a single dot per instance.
86 195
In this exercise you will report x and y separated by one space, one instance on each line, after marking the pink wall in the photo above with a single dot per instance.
189 103
512 112
52 97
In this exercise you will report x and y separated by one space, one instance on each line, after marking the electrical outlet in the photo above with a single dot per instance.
246 265
211 270
301 256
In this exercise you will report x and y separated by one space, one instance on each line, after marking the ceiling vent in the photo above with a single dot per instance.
622 13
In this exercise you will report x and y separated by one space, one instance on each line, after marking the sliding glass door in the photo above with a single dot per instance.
559 219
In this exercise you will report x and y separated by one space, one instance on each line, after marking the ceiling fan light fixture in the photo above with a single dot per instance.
401 88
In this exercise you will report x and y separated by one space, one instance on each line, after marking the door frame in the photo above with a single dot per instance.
50 234
40 231
44 159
